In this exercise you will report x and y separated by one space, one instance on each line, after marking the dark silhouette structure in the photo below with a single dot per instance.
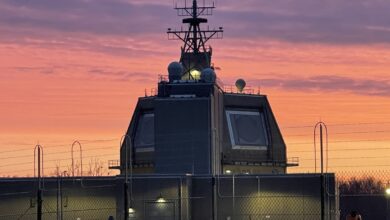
194 125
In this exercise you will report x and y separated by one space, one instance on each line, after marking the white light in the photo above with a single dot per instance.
160 199
195 74
131 211
388 191
228 171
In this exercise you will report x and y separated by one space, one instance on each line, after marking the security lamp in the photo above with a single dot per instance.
228 171
195 74
388 191
160 199
131 211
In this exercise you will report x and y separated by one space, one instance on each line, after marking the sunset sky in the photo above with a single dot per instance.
73 70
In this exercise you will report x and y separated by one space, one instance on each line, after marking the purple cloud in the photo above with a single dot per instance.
95 16
329 83
332 21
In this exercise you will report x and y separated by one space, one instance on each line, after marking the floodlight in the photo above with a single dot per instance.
160 199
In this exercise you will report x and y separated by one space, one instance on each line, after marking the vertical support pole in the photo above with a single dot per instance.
39 158
322 150
180 196
322 176
214 198
61 196
58 198
126 202
387 207
189 197
195 16
387 200
39 192
39 206
126 140
234 197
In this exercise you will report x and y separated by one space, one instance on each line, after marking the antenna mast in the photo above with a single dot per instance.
194 53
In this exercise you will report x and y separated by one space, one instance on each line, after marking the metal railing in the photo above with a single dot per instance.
114 164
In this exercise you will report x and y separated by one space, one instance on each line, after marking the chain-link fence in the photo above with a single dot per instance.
227 197
275 197
365 193
87 198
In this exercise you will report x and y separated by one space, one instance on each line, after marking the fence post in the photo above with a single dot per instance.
39 150
322 176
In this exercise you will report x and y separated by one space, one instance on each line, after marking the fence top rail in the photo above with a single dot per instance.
167 176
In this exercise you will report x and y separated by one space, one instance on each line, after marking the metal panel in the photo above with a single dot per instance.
183 136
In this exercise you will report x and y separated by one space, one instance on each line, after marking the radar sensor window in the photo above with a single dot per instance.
247 130
144 137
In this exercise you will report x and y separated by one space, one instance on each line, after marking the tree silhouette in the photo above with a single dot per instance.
95 167
365 185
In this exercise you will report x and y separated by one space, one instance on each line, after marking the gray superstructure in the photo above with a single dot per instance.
193 125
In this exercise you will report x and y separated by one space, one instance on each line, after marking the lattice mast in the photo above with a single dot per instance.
194 53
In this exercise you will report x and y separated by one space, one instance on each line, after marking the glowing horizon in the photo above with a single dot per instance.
74 70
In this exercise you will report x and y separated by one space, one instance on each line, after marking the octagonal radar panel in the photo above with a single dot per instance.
208 75
240 85
175 71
